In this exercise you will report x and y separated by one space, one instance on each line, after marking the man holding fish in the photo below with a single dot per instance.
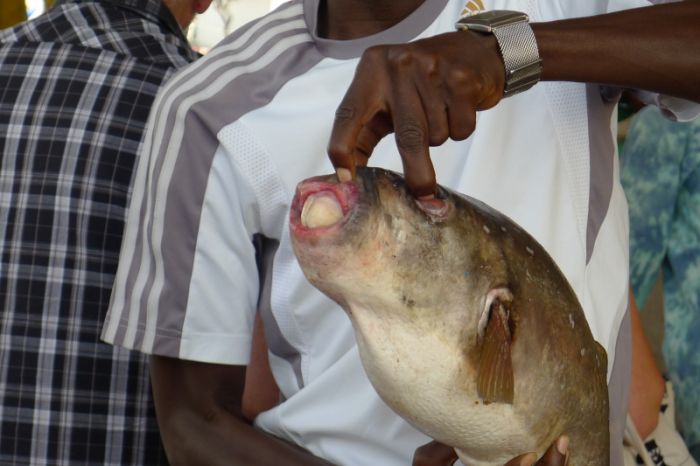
208 244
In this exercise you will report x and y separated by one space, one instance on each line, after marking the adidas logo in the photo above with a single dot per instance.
472 7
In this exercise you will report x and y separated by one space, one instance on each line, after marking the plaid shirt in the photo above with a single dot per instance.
76 87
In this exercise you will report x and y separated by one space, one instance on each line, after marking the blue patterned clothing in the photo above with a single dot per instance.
661 177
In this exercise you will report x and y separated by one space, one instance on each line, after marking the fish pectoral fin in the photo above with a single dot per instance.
494 381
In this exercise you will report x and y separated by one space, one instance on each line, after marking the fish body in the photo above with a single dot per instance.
465 325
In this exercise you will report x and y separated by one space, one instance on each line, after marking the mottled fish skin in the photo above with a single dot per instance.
465 325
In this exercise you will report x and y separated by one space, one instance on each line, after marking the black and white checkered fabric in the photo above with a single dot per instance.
76 87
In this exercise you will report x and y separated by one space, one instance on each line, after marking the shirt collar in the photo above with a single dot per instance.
153 10
407 29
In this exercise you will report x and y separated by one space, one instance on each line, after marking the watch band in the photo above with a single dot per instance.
516 42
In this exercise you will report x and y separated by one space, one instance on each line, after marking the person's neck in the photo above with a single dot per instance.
352 19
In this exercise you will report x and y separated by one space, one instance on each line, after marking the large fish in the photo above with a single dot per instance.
465 325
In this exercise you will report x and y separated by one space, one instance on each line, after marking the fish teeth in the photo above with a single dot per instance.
321 210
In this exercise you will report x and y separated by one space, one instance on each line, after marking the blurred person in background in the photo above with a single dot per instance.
76 88
661 177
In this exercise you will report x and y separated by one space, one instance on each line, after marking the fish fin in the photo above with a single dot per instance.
494 381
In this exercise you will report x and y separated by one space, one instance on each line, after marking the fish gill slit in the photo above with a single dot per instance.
495 298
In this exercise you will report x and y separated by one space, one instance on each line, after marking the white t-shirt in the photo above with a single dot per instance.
207 243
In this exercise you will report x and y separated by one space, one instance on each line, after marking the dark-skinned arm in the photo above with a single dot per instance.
629 49
429 90
261 391
439 454
201 420
198 406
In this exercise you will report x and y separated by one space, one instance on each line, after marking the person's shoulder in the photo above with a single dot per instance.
245 53
247 43
77 64
88 26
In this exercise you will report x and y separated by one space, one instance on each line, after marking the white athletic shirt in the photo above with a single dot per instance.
207 242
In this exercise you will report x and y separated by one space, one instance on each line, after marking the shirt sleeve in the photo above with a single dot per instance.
552 10
187 283
673 108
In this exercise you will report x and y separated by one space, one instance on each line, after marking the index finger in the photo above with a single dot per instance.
556 455
343 141
433 454
361 103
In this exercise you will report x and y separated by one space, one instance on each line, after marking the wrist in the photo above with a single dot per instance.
517 46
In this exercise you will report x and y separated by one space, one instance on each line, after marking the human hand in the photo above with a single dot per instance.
425 92
556 455
434 454
439 454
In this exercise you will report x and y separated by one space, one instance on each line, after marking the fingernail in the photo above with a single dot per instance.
528 460
343 174
563 445
433 206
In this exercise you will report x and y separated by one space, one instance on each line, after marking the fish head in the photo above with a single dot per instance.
369 243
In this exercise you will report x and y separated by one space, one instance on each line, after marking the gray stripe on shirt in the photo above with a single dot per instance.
406 30
189 179
618 389
276 342
191 81
602 150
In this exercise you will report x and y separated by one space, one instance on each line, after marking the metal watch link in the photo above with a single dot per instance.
516 42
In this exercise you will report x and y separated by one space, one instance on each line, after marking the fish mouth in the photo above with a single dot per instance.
321 206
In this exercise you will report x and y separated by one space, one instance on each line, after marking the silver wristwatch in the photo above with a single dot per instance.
516 42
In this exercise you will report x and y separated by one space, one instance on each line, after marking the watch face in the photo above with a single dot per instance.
488 20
